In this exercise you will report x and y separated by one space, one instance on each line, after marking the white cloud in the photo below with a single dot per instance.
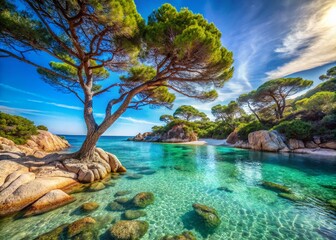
130 119
57 104
12 110
311 42
5 86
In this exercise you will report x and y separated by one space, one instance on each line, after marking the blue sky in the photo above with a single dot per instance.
269 39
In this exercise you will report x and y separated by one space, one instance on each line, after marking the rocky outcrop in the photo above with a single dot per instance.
331 145
50 201
38 145
295 144
176 134
29 180
232 138
264 140
208 215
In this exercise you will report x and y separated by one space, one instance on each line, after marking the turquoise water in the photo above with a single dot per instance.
188 174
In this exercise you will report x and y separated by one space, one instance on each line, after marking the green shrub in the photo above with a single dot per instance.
42 127
245 129
296 129
329 121
16 128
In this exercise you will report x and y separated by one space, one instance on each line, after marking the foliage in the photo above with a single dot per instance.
42 127
329 121
250 100
173 51
246 128
321 101
296 129
278 90
189 113
16 128
331 74
227 113
166 118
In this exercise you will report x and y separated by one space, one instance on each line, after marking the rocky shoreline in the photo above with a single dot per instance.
36 184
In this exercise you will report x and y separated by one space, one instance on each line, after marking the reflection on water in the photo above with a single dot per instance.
225 178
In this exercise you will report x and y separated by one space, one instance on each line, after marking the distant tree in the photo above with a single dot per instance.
331 74
166 118
278 90
250 100
321 101
176 50
227 113
42 127
16 128
189 113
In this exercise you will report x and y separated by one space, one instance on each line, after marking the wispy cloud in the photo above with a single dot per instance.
13 110
129 119
311 42
8 87
57 104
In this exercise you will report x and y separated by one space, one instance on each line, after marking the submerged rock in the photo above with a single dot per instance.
275 187
208 214
226 189
97 186
129 230
328 186
134 176
147 172
290 196
122 193
114 206
81 225
90 206
52 200
187 235
134 214
54 234
122 200
143 199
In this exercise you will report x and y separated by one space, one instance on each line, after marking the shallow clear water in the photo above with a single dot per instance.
188 174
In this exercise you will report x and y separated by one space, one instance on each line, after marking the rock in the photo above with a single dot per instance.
226 189
8 167
242 144
134 176
129 230
317 140
134 214
50 201
48 142
147 172
122 200
331 145
81 225
295 144
90 206
290 196
143 199
187 235
275 187
55 234
114 206
266 141
122 193
311 144
97 186
232 138
208 214
332 203
28 193
178 134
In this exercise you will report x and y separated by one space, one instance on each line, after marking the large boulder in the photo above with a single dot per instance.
232 138
52 200
178 133
295 144
129 230
264 140
143 199
331 145
209 215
